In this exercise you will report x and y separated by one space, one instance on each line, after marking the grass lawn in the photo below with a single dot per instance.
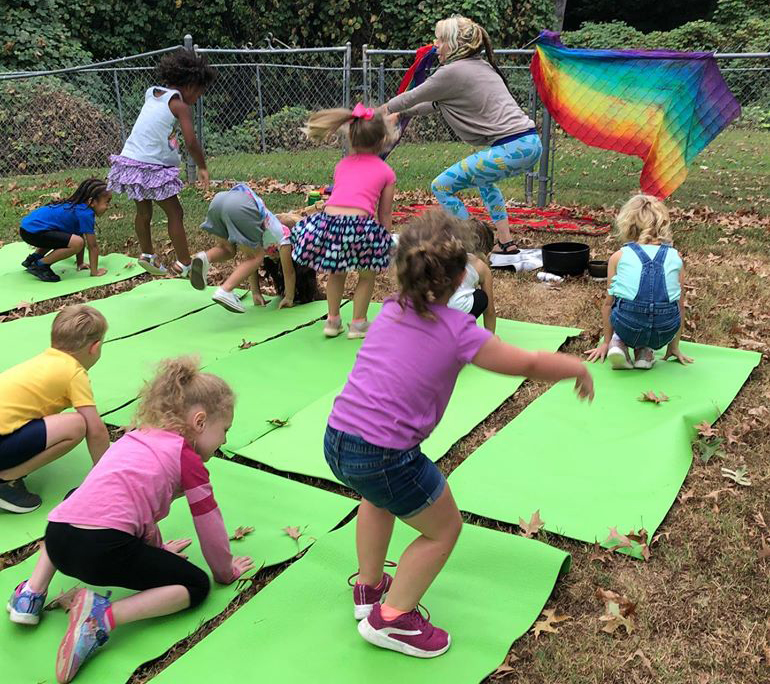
702 599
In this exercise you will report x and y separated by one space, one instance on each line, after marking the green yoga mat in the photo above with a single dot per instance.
146 306
298 446
246 497
16 285
51 483
616 463
489 593
210 334
271 380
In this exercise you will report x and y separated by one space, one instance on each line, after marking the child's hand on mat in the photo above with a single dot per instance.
599 353
286 303
242 565
99 272
203 179
177 546
259 300
673 351
584 386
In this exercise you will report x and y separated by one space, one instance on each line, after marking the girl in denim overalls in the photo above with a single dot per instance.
644 308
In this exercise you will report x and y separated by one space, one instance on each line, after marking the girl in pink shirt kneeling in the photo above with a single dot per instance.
346 236
106 532
394 397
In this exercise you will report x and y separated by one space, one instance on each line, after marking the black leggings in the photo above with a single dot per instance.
480 303
109 558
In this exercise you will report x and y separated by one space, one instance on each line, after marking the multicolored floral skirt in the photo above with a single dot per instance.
143 181
337 244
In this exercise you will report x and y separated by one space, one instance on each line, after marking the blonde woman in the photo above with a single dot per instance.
644 308
473 97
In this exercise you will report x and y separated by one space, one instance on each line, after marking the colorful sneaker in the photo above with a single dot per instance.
151 264
364 596
16 498
333 327
88 631
43 272
31 259
410 633
644 358
229 300
618 355
25 605
357 330
199 268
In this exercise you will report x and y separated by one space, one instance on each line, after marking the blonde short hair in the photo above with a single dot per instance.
77 326
644 219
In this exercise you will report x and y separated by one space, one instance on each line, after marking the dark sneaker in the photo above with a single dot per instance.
31 259
87 632
43 272
15 497
25 605
410 633
364 596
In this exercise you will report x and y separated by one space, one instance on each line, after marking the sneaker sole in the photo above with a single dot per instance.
383 641
328 332
79 612
619 361
22 618
197 279
644 365
362 610
43 278
13 508
227 305
152 269
356 335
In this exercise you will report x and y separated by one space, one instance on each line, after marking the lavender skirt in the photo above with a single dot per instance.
142 181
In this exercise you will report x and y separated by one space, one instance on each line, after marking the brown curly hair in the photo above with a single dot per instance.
432 252
185 68
179 385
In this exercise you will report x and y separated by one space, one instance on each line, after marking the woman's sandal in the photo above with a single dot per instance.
505 248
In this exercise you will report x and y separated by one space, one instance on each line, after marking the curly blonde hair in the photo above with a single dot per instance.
179 385
644 219
432 252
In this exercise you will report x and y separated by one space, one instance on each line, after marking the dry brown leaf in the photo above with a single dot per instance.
759 520
64 600
550 618
531 528
600 555
645 660
764 552
684 496
278 422
505 667
24 306
653 398
706 430
240 533
245 344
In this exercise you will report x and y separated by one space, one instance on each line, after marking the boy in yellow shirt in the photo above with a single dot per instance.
33 431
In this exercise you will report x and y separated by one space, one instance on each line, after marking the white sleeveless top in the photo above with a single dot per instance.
152 138
462 299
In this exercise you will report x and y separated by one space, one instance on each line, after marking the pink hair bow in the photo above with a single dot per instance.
362 112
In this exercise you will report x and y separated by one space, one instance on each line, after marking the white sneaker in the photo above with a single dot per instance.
228 300
333 327
357 331
645 358
618 355
150 263
199 269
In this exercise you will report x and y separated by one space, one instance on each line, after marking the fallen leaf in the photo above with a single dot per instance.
600 555
621 541
739 475
26 307
550 618
278 422
645 660
504 667
116 217
705 429
759 519
618 611
653 398
684 496
764 552
246 344
240 533
531 528
64 600
294 532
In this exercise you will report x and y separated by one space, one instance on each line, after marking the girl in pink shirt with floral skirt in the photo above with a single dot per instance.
353 231
394 397
106 532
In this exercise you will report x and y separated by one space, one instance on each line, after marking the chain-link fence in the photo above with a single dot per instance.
249 121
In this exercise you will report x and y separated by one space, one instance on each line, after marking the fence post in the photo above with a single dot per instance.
381 84
199 114
542 177
346 76
120 106
529 176
260 105
365 79
191 171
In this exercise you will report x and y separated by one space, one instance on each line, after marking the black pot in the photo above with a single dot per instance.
597 269
565 258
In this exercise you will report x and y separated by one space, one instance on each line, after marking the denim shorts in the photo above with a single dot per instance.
645 325
402 482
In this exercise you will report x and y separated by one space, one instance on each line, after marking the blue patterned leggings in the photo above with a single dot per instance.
482 170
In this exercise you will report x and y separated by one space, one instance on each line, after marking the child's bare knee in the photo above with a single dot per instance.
76 242
77 426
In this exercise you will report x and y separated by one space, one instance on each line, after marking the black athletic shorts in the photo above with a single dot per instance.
46 239
22 444
480 303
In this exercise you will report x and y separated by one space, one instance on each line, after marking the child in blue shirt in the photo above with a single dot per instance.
62 229
644 308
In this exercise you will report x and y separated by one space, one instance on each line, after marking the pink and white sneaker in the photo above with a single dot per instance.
364 596
410 633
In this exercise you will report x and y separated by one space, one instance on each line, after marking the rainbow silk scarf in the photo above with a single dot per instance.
664 107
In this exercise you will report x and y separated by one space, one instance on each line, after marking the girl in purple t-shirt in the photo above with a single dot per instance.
352 233
395 396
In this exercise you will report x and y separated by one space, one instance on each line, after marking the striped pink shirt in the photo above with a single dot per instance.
131 489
